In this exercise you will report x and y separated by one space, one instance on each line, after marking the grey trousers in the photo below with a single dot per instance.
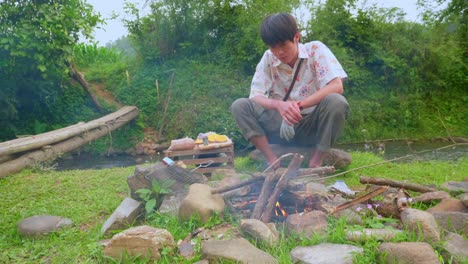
318 129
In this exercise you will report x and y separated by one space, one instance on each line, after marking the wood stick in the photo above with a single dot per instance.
291 172
397 184
237 185
267 188
361 199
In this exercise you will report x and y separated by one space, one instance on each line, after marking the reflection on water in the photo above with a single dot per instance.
389 150
445 151
86 161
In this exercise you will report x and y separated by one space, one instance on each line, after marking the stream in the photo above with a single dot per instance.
389 150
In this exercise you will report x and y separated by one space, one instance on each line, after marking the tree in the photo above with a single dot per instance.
36 45
220 29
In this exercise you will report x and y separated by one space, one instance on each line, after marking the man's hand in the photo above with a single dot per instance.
290 112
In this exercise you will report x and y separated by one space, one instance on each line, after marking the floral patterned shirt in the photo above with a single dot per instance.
272 77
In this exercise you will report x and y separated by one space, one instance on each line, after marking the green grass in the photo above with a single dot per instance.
89 197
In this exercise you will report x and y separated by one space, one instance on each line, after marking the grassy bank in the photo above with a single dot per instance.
89 197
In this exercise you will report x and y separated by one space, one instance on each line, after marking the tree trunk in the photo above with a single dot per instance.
72 143
79 77
41 140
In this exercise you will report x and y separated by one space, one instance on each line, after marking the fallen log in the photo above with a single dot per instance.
41 140
396 184
54 151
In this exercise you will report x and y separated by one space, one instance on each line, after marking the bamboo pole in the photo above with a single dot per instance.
41 140
72 143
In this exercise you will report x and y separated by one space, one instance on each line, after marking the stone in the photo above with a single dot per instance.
140 241
457 247
453 222
431 196
455 187
464 199
407 253
171 203
199 201
391 205
123 216
386 234
325 253
448 205
238 250
230 179
260 231
204 261
145 174
308 223
40 225
351 216
422 223
337 158
139 181
316 187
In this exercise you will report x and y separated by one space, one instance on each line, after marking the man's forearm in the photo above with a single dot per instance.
334 86
266 103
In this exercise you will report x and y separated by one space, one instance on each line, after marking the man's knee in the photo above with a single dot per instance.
337 103
239 105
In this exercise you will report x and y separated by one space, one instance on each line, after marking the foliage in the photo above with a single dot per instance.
153 197
89 197
182 28
189 60
36 43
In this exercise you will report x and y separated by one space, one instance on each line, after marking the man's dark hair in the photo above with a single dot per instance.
278 28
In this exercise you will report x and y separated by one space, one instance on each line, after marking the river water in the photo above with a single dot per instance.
388 150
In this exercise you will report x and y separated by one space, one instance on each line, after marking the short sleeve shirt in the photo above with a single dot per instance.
272 77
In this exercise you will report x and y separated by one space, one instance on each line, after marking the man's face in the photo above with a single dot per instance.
287 51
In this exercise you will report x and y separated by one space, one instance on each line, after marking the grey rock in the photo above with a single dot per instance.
457 247
455 187
199 201
431 196
171 203
204 261
464 199
407 253
422 223
325 253
453 222
238 250
123 216
448 205
39 225
307 223
379 234
337 158
140 241
351 216
259 230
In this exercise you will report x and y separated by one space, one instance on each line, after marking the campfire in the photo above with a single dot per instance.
276 194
